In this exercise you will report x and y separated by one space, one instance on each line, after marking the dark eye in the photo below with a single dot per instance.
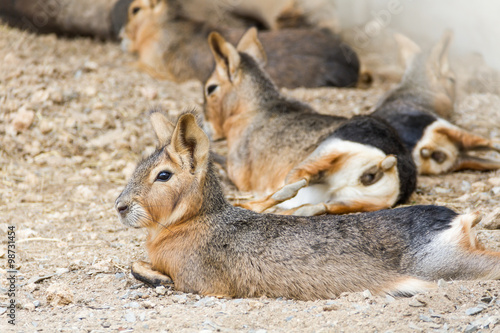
367 179
163 176
211 88
135 10
438 156
371 176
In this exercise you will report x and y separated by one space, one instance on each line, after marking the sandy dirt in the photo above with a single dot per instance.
72 126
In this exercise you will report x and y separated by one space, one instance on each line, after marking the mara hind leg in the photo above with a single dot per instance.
154 73
353 206
467 140
143 272
286 192
468 162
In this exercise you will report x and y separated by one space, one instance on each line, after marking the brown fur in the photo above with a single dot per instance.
353 206
175 48
466 140
276 14
418 107
216 249
64 17
274 141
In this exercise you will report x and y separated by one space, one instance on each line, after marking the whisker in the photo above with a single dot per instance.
145 216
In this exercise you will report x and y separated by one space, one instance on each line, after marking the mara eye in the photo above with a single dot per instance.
438 156
211 88
371 176
135 10
163 176
367 178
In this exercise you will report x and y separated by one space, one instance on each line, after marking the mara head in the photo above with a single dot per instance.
141 15
430 73
445 147
364 174
236 83
167 187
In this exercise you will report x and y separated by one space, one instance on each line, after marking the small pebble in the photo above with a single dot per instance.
471 328
495 190
59 294
495 181
441 190
181 299
389 299
416 303
133 305
148 304
367 294
465 186
474 310
160 290
130 317
425 318
29 306
36 303
23 120
479 187
442 283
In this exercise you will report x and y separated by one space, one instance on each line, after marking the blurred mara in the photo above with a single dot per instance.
418 107
169 46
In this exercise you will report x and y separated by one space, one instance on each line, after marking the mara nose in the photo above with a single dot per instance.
121 208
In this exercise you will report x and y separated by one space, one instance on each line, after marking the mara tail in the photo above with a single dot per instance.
460 254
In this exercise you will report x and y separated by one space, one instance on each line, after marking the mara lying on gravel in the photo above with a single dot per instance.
207 246
282 149
419 109
172 47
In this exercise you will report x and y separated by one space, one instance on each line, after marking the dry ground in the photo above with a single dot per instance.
61 171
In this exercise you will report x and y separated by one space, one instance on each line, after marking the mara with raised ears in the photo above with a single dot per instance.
172 47
207 246
419 109
282 149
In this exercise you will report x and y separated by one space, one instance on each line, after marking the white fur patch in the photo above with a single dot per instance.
137 217
436 142
312 194
410 286
455 233
345 185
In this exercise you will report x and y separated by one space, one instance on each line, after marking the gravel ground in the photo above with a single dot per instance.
72 126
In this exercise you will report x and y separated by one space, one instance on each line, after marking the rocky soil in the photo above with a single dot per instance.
72 126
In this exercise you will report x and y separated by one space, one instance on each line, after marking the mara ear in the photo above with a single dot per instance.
189 139
251 45
439 53
227 59
408 49
162 127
